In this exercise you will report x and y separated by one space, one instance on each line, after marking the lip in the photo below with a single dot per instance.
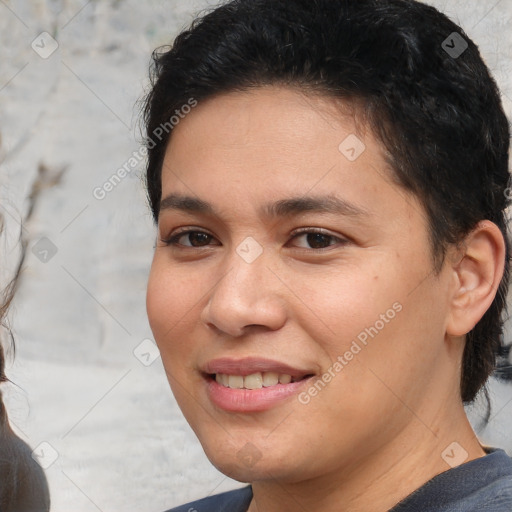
249 365
251 400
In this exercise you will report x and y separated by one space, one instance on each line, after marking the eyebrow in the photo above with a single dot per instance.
288 207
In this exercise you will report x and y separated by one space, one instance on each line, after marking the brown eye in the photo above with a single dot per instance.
318 239
315 239
195 238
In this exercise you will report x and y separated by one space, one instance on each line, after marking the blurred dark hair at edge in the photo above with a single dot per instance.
23 484
439 118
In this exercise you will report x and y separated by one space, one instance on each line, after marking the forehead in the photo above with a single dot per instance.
272 115
276 143
270 126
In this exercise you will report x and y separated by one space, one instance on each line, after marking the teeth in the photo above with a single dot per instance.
285 379
270 379
253 381
236 382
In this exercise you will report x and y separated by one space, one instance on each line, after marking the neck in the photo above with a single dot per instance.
384 477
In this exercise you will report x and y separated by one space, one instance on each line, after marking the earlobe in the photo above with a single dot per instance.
477 276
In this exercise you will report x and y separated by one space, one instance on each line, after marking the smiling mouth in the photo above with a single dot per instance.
257 380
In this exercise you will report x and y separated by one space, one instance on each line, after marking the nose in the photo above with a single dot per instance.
247 295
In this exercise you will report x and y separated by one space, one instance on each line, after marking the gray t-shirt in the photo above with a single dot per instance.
480 485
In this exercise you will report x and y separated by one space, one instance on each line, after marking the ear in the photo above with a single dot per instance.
477 274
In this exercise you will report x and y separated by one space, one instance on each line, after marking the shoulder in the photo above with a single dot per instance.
489 483
496 496
231 501
23 484
481 485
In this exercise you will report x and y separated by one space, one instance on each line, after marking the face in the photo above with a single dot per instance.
293 300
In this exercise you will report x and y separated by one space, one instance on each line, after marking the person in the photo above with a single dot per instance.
23 484
329 181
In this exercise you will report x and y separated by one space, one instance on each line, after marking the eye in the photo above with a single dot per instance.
317 239
200 237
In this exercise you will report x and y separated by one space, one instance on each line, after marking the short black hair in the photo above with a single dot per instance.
420 82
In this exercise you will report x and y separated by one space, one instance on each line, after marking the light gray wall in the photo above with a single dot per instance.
120 439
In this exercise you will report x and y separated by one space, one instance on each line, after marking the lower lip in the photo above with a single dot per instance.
251 400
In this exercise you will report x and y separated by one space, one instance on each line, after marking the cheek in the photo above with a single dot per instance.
173 304
343 301
157 303
398 352
369 315
168 303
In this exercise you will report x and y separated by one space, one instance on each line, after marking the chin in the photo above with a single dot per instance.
246 463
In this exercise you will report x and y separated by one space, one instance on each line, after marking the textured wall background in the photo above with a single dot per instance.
112 436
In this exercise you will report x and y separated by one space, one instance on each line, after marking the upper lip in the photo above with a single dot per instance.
250 365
